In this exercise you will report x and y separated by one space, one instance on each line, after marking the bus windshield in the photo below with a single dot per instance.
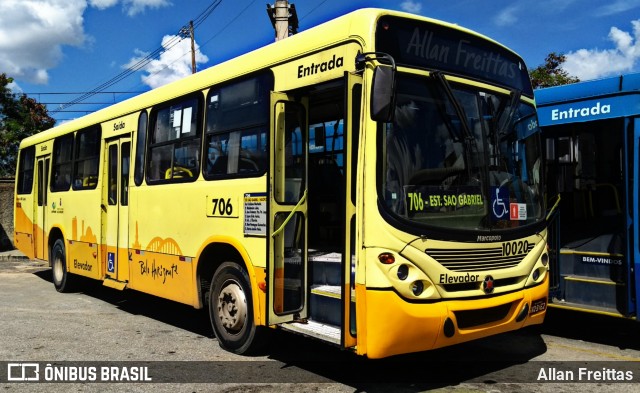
457 156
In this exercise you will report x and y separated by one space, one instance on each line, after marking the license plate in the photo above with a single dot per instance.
538 306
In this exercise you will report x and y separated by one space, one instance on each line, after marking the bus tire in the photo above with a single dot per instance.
62 279
231 310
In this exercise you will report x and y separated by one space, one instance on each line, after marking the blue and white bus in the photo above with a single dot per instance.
591 132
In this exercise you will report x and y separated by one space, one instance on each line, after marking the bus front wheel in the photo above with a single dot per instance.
62 279
231 310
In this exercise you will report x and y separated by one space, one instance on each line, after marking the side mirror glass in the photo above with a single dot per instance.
383 93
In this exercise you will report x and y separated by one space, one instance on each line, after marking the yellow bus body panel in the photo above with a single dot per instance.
24 226
255 269
395 326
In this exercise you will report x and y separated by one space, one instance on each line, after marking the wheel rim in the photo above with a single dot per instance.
57 268
232 307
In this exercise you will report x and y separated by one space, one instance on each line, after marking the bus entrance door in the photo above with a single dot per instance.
353 111
115 213
40 208
633 231
287 229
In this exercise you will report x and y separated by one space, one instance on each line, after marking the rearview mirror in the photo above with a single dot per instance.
383 94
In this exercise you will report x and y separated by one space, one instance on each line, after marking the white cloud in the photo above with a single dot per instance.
507 17
411 6
102 4
15 88
131 7
617 7
553 6
32 33
134 7
174 63
595 63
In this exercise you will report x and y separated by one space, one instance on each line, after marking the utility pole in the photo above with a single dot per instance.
284 18
188 31
193 48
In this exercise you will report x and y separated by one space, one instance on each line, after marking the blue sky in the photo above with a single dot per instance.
75 46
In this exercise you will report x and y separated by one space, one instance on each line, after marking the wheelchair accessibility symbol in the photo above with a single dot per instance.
500 203
111 265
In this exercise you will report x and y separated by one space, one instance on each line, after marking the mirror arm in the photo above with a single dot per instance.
363 58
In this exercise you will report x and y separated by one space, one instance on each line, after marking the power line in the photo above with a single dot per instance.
313 9
130 70
228 24
52 93
79 103
197 21
75 111
140 63
210 39
205 14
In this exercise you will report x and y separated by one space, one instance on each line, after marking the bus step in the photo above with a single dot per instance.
326 267
590 263
590 291
315 329
325 304
115 284
612 312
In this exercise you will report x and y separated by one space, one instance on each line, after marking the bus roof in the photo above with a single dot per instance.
591 100
357 26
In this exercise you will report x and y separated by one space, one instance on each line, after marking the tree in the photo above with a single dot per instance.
551 72
20 117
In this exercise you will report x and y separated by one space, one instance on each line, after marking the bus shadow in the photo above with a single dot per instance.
595 328
138 303
487 361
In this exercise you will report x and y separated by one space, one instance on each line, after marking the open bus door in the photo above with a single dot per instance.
591 237
287 230
353 101
633 230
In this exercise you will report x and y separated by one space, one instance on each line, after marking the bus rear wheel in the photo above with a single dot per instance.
231 310
63 281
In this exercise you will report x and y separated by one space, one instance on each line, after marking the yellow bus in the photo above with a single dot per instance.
373 182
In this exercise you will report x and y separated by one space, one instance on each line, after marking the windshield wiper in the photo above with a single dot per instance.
468 138
505 128
444 83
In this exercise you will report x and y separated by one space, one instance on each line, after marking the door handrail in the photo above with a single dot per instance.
286 221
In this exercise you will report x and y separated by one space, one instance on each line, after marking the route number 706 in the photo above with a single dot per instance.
221 207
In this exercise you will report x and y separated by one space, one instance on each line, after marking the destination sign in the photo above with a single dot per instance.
438 47
429 199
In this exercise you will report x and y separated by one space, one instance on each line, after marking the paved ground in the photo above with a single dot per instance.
104 326
11 255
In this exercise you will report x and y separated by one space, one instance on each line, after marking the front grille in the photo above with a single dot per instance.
476 259
472 286
472 318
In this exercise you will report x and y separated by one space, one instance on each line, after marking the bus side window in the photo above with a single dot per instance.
160 162
113 175
174 148
124 176
62 163
236 152
217 152
237 120
140 148
87 158
253 157
25 170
